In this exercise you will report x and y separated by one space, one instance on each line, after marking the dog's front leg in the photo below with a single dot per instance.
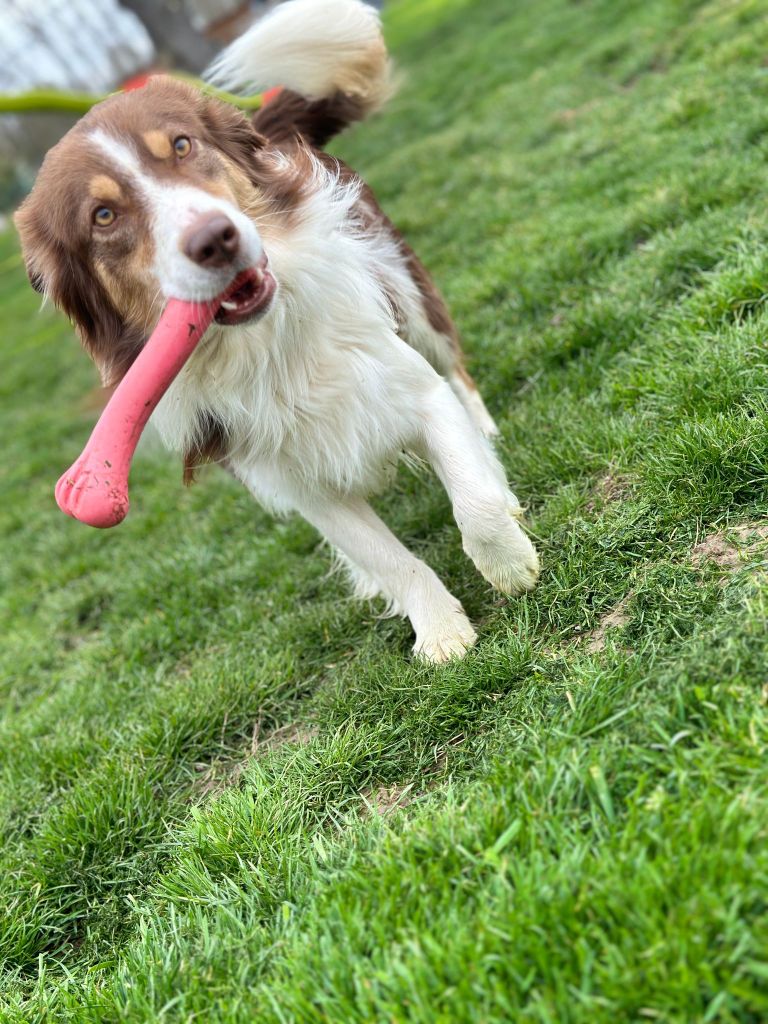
485 509
442 629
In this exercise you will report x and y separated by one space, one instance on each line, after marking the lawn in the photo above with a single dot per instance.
227 792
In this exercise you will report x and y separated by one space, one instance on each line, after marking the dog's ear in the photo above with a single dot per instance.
36 277
109 341
231 132
64 276
31 246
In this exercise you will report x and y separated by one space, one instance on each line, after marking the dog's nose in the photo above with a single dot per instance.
212 241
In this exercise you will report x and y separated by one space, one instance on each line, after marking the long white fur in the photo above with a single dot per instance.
320 397
315 47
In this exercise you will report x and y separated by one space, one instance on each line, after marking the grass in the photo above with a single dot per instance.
227 793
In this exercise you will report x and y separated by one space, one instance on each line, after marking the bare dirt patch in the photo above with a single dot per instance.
730 548
610 488
214 778
614 619
298 733
385 799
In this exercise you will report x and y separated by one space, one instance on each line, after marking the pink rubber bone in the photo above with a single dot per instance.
95 488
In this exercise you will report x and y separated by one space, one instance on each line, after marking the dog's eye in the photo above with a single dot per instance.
104 217
182 146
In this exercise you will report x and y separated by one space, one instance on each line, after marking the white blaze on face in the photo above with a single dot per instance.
172 208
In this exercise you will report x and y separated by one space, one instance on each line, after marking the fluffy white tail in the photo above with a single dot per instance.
317 48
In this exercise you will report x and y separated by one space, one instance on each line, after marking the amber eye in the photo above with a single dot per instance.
182 146
104 216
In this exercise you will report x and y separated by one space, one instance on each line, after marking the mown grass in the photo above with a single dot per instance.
579 830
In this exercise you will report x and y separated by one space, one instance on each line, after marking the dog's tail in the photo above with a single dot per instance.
330 58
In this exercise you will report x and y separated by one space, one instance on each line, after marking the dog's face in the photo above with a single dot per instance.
148 197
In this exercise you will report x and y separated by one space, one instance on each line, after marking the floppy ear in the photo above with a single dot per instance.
65 276
30 247
36 278
109 341
231 131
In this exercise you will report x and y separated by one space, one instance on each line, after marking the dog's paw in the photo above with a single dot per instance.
506 557
446 639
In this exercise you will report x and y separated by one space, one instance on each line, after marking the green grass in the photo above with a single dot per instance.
582 813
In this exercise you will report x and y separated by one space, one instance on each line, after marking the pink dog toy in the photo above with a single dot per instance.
95 489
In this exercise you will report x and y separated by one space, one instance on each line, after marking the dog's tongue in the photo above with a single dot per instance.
95 489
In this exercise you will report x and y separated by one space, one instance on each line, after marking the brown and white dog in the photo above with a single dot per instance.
336 356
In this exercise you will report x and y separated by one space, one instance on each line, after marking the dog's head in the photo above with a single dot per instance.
148 197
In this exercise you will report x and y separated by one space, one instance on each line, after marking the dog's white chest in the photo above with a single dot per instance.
321 411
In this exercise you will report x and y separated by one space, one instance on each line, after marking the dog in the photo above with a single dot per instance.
336 357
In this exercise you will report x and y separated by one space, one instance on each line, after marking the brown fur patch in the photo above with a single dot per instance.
290 117
158 144
434 304
131 289
106 189
212 447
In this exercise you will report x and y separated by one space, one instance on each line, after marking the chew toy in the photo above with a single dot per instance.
95 488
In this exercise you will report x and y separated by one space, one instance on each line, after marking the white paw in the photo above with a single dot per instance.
505 557
445 639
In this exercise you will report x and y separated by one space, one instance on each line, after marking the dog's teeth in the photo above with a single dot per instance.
229 305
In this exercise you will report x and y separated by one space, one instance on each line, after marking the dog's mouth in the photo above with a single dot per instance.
249 295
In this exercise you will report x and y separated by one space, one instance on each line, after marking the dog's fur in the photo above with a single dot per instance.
355 361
